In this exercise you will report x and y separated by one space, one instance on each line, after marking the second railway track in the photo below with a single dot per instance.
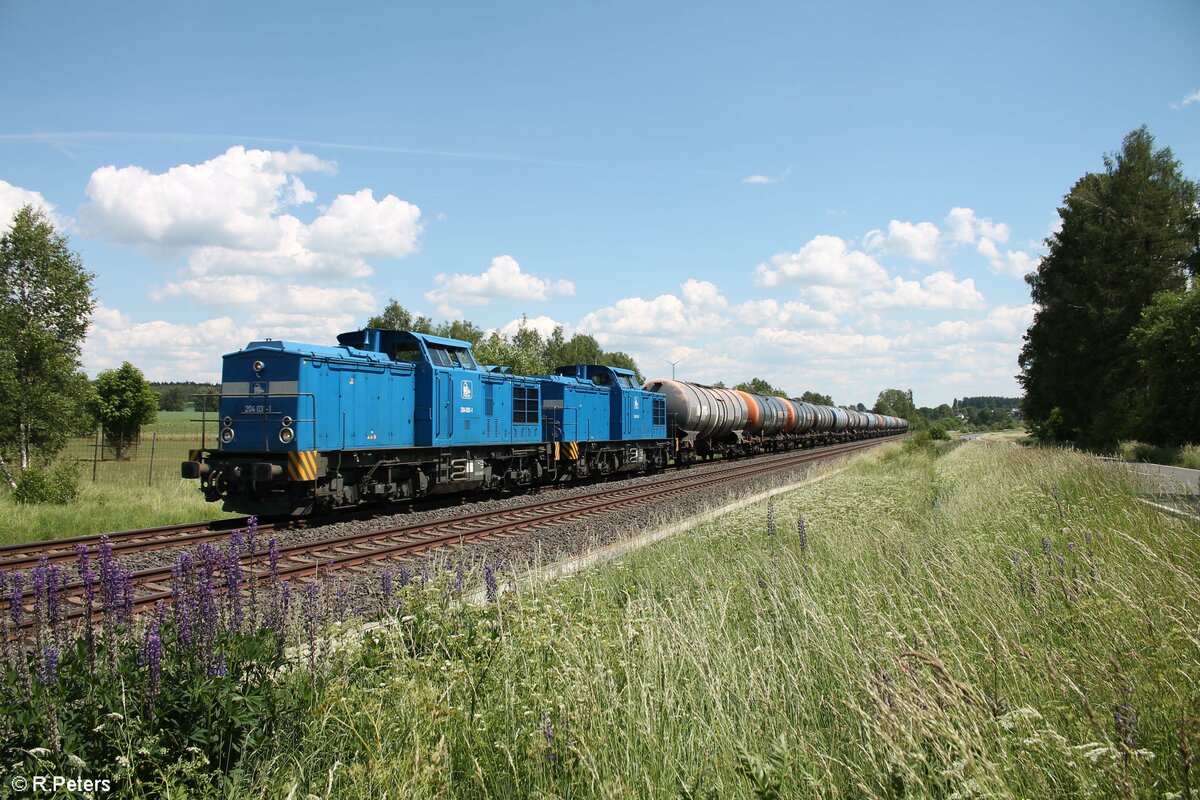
350 551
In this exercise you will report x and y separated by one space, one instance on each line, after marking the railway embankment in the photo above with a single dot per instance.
990 621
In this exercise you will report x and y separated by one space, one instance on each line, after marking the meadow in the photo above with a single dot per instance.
124 493
985 620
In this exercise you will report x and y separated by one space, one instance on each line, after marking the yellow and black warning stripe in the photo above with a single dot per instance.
302 465
570 450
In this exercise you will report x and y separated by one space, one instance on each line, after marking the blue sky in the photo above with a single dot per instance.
832 196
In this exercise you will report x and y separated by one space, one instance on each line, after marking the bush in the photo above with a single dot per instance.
921 440
938 432
57 484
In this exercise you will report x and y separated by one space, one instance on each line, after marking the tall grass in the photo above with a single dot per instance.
117 495
996 622
104 507
1187 456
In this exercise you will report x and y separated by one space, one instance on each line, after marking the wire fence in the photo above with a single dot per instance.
152 458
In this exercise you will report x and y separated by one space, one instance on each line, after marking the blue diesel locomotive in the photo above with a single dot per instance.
393 415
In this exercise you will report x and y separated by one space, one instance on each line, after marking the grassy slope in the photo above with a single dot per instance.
924 646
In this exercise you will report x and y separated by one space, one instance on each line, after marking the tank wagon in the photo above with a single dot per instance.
388 415
705 421
392 415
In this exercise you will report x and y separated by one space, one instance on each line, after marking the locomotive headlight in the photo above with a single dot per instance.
286 435
258 366
227 435
287 422
227 422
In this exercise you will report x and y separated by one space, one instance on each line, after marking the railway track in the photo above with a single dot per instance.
25 555
354 551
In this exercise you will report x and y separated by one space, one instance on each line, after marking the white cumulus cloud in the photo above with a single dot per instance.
964 227
662 320
790 313
12 198
918 241
503 279
824 261
227 215
252 291
937 291
1014 263
542 324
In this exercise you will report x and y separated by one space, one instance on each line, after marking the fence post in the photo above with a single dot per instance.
153 443
96 453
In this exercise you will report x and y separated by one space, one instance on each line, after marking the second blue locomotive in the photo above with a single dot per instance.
392 415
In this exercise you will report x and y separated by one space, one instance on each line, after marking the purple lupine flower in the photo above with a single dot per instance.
181 599
312 603
4 637
385 588
217 667
251 533
15 600
109 589
802 530
1045 547
405 577
457 587
233 581
547 730
489 580
38 578
54 585
48 665
207 614
771 516
150 655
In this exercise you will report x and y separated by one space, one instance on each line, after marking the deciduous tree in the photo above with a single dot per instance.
122 403
817 399
45 305
1167 343
1127 233
760 386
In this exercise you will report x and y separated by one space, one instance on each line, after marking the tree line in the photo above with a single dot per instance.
1114 348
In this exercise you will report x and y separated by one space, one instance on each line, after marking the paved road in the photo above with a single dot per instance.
1159 479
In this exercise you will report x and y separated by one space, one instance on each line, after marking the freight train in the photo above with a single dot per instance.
389 415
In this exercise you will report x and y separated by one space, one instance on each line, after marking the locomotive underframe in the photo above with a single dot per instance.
260 483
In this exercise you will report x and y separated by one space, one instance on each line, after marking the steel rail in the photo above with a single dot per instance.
322 554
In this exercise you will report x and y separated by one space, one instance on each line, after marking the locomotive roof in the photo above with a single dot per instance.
351 338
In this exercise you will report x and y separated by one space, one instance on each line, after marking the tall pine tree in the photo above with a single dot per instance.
1127 233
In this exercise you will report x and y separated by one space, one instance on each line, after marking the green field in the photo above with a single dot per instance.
996 622
120 494
977 620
